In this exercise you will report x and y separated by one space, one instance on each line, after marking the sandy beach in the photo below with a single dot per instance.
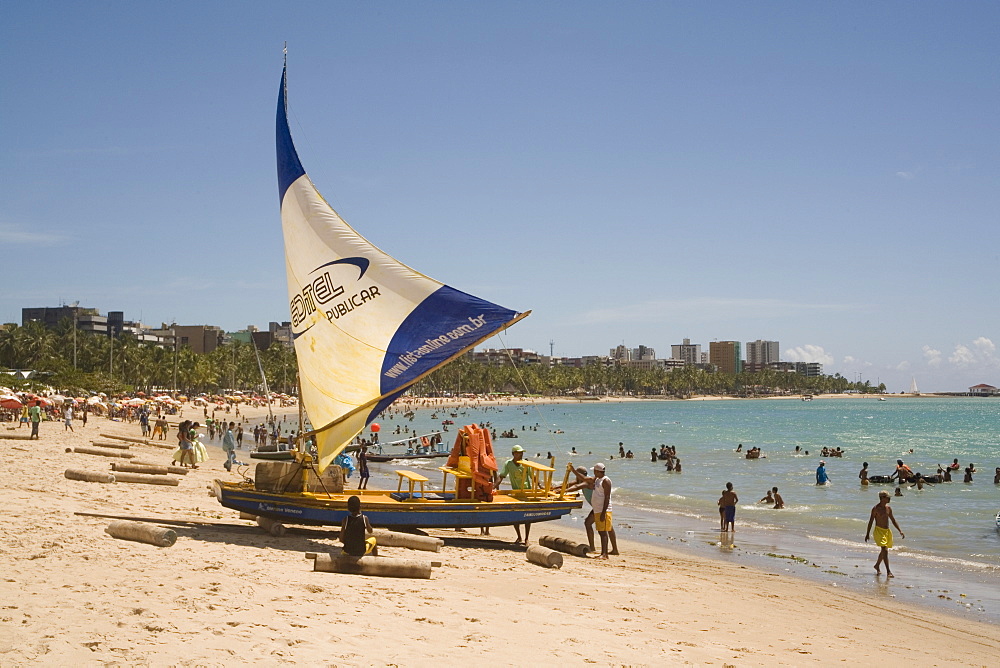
228 593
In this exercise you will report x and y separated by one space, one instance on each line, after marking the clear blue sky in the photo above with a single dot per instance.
821 174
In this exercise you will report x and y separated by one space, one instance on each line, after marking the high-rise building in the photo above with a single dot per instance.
687 352
505 357
810 369
85 319
620 353
726 356
643 353
761 353
200 338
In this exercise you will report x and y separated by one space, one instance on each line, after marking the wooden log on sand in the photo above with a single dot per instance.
159 444
247 516
89 476
380 566
145 479
543 556
82 450
17 437
334 555
111 444
273 527
408 540
176 470
144 441
142 533
152 469
564 545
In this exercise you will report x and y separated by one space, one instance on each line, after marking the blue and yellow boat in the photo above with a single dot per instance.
365 328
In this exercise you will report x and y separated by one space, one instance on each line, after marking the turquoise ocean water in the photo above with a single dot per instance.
952 546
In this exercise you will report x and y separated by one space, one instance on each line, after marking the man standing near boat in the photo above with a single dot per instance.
363 472
881 515
229 446
601 501
518 480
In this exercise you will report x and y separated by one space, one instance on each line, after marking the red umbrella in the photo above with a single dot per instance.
11 403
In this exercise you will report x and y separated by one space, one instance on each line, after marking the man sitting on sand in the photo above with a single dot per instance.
354 531
881 516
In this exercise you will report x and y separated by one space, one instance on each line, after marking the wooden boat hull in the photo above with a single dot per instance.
279 455
385 511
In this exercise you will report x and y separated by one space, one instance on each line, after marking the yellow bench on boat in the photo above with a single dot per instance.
459 474
412 478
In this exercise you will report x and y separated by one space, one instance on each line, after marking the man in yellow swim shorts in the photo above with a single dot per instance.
601 501
881 516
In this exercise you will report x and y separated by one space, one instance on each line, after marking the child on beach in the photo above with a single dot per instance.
354 531
363 466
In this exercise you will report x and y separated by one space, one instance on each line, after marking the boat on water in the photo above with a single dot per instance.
365 328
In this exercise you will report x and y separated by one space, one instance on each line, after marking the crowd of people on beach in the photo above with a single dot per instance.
594 484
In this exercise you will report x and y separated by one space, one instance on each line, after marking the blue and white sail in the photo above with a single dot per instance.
365 325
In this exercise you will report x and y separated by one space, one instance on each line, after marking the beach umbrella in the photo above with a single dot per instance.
11 402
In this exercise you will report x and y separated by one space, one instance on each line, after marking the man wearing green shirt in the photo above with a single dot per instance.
35 415
519 479
518 474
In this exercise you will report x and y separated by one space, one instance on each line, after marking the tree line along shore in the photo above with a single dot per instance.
95 363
